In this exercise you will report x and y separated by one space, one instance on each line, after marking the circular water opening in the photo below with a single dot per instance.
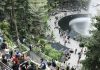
78 22
81 25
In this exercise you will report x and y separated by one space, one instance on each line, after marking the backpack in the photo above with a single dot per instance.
67 68
43 66
53 64
3 46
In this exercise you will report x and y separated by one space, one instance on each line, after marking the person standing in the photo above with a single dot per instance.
4 45
7 53
56 17
72 68
11 53
75 51
31 67
15 66
43 65
53 64
30 47
55 23
68 66
59 30
4 60
68 38
63 66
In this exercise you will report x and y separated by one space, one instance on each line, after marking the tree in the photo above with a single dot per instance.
13 20
15 11
92 61
72 5
26 18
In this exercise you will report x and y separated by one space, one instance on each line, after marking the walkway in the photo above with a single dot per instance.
73 44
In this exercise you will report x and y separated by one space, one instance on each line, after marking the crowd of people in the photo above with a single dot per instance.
19 61
54 66
15 59
64 35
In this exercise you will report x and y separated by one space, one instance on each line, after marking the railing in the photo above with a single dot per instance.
4 67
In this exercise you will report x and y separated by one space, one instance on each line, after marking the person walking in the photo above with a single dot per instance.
65 42
68 66
79 55
75 51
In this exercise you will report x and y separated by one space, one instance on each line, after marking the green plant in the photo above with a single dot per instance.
4 25
92 61
36 50
22 48
51 52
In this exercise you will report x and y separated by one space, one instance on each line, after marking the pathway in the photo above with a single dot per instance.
34 57
73 45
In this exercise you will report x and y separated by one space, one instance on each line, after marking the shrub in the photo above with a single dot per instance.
4 25
51 52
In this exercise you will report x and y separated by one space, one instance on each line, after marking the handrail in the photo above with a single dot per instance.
5 66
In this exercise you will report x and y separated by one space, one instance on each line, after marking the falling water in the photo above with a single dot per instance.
82 25
94 7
